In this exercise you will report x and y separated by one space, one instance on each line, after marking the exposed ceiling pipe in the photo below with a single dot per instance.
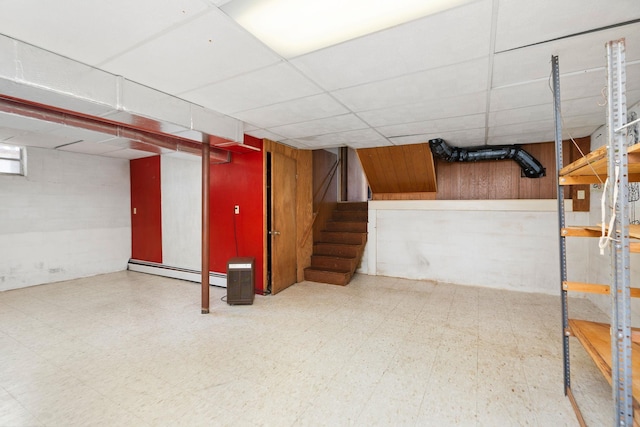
531 167
98 124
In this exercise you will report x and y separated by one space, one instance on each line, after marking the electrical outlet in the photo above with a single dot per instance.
236 209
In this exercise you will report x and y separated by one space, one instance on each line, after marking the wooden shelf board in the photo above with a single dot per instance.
594 288
596 231
595 163
596 340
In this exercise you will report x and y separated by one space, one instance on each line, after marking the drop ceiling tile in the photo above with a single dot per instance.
547 135
91 32
461 138
523 138
327 125
523 95
128 153
454 80
575 54
522 128
20 124
265 134
583 121
139 146
633 97
582 85
633 78
524 23
370 144
295 144
462 105
80 134
434 126
295 111
89 148
533 113
39 140
266 86
575 86
593 120
584 106
462 33
209 49
7 133
341 139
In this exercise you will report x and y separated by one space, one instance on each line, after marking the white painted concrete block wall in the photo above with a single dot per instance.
68 218
506 244
181 212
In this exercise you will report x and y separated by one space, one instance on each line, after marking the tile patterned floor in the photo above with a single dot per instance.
129 349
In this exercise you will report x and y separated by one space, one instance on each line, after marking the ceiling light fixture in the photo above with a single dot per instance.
295 27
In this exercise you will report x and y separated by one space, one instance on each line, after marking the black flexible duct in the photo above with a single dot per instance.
531 167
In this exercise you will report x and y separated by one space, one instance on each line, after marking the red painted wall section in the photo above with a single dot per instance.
146 216
238 183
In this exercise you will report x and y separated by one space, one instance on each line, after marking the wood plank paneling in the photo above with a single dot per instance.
304 209
502 179
325 188
399 169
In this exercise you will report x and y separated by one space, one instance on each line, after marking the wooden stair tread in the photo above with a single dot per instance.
330 276
330 270
339 245
595 338
353 206
341 257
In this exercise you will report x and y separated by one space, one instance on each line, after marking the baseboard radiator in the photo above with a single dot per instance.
215 279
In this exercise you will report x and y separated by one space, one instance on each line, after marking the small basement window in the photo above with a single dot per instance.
12 160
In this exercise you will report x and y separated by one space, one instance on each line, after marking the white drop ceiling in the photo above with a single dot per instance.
473 75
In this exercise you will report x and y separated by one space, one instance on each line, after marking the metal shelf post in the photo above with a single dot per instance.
620 259
555 70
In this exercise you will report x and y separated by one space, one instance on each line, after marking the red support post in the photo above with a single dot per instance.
205 224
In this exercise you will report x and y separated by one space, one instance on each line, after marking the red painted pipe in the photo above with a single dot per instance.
205 225
24 108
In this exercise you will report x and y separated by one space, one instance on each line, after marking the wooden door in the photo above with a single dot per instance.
283 222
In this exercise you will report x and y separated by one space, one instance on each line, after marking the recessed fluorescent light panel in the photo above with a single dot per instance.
295 27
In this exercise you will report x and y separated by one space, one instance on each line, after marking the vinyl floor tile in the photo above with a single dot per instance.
130 349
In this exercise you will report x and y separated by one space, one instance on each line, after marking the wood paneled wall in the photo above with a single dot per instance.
325 188
501 179
399 169
497 179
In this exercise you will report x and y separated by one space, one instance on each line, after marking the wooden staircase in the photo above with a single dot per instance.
339 251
